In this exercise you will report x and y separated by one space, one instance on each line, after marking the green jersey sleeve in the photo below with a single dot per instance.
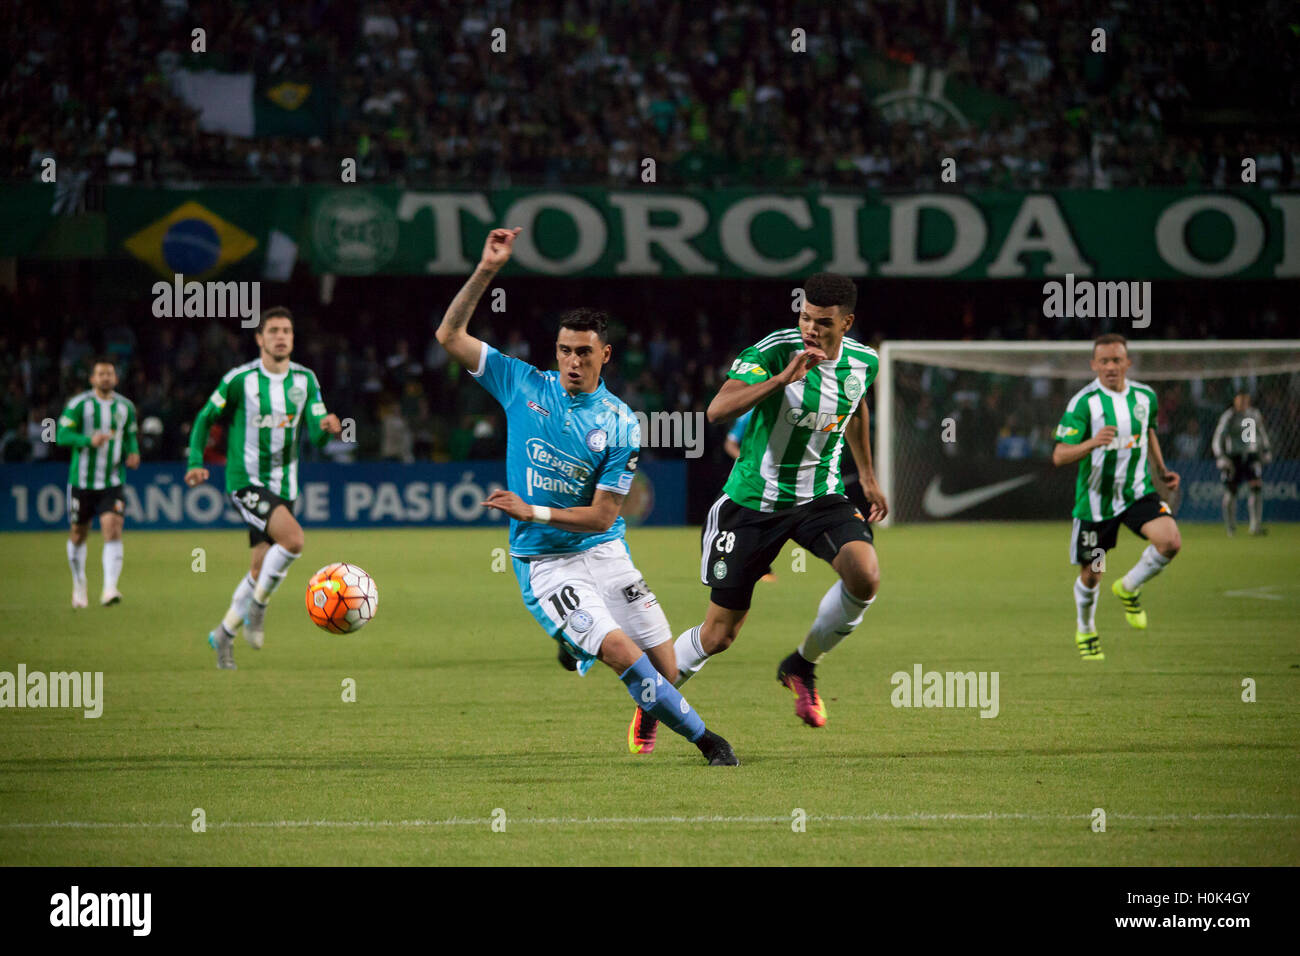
1075 424
315 412
755 364
69 433
213 409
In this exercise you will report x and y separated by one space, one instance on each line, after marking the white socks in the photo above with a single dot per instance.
77 562
1149 565
239 604
837 615
274 567
112 564
690 654
1255 507
1085 606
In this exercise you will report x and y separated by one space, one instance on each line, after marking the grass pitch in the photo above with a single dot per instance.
463 718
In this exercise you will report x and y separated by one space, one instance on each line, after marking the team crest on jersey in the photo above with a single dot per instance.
1140 412
720 569
538 408
597 439
297 394
119 415
852 388
581 621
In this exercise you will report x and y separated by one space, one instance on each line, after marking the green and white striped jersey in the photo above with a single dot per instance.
264 413
790 454
1113 477
84 416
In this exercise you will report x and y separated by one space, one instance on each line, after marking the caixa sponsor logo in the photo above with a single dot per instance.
817 421
544 455
272 421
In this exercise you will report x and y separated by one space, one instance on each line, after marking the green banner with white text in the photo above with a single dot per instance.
1136 234
1126 234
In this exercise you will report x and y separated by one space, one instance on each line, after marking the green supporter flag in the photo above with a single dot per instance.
299 108
910 91
241 104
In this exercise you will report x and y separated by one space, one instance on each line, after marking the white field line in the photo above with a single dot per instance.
645 821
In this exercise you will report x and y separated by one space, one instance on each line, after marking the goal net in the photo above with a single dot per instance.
965 430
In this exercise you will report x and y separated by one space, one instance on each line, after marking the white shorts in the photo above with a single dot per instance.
580 598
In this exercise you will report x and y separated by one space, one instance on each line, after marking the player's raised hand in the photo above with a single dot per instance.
496 250
800 363
196 476
510 503
1104 436
331 424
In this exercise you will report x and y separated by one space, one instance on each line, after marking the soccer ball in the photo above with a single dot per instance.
341 598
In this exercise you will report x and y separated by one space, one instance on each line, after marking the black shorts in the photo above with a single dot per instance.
1088 537
86 504
739 544
255 505
1242 468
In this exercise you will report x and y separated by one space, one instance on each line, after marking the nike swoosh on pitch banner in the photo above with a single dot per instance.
938 505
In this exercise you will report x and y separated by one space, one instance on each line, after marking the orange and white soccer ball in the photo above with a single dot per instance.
342 598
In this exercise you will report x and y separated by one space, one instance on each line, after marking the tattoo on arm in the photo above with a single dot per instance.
458 313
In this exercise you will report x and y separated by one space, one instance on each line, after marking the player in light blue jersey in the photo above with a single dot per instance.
571 452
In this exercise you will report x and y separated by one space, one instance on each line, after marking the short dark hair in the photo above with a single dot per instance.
103 359
274 312
830 288
1110 338
587 320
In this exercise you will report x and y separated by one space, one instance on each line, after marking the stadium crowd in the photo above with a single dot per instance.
373 348
714 93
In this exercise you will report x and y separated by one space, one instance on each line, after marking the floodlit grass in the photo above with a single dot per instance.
461 710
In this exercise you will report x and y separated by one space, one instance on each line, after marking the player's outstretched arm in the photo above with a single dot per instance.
1066 454
736 397
598 516
451 334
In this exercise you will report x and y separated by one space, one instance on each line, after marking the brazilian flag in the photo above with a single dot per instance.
198 234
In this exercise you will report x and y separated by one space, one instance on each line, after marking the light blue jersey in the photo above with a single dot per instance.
737 432
559 449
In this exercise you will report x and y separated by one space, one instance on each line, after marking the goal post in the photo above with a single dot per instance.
964 430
